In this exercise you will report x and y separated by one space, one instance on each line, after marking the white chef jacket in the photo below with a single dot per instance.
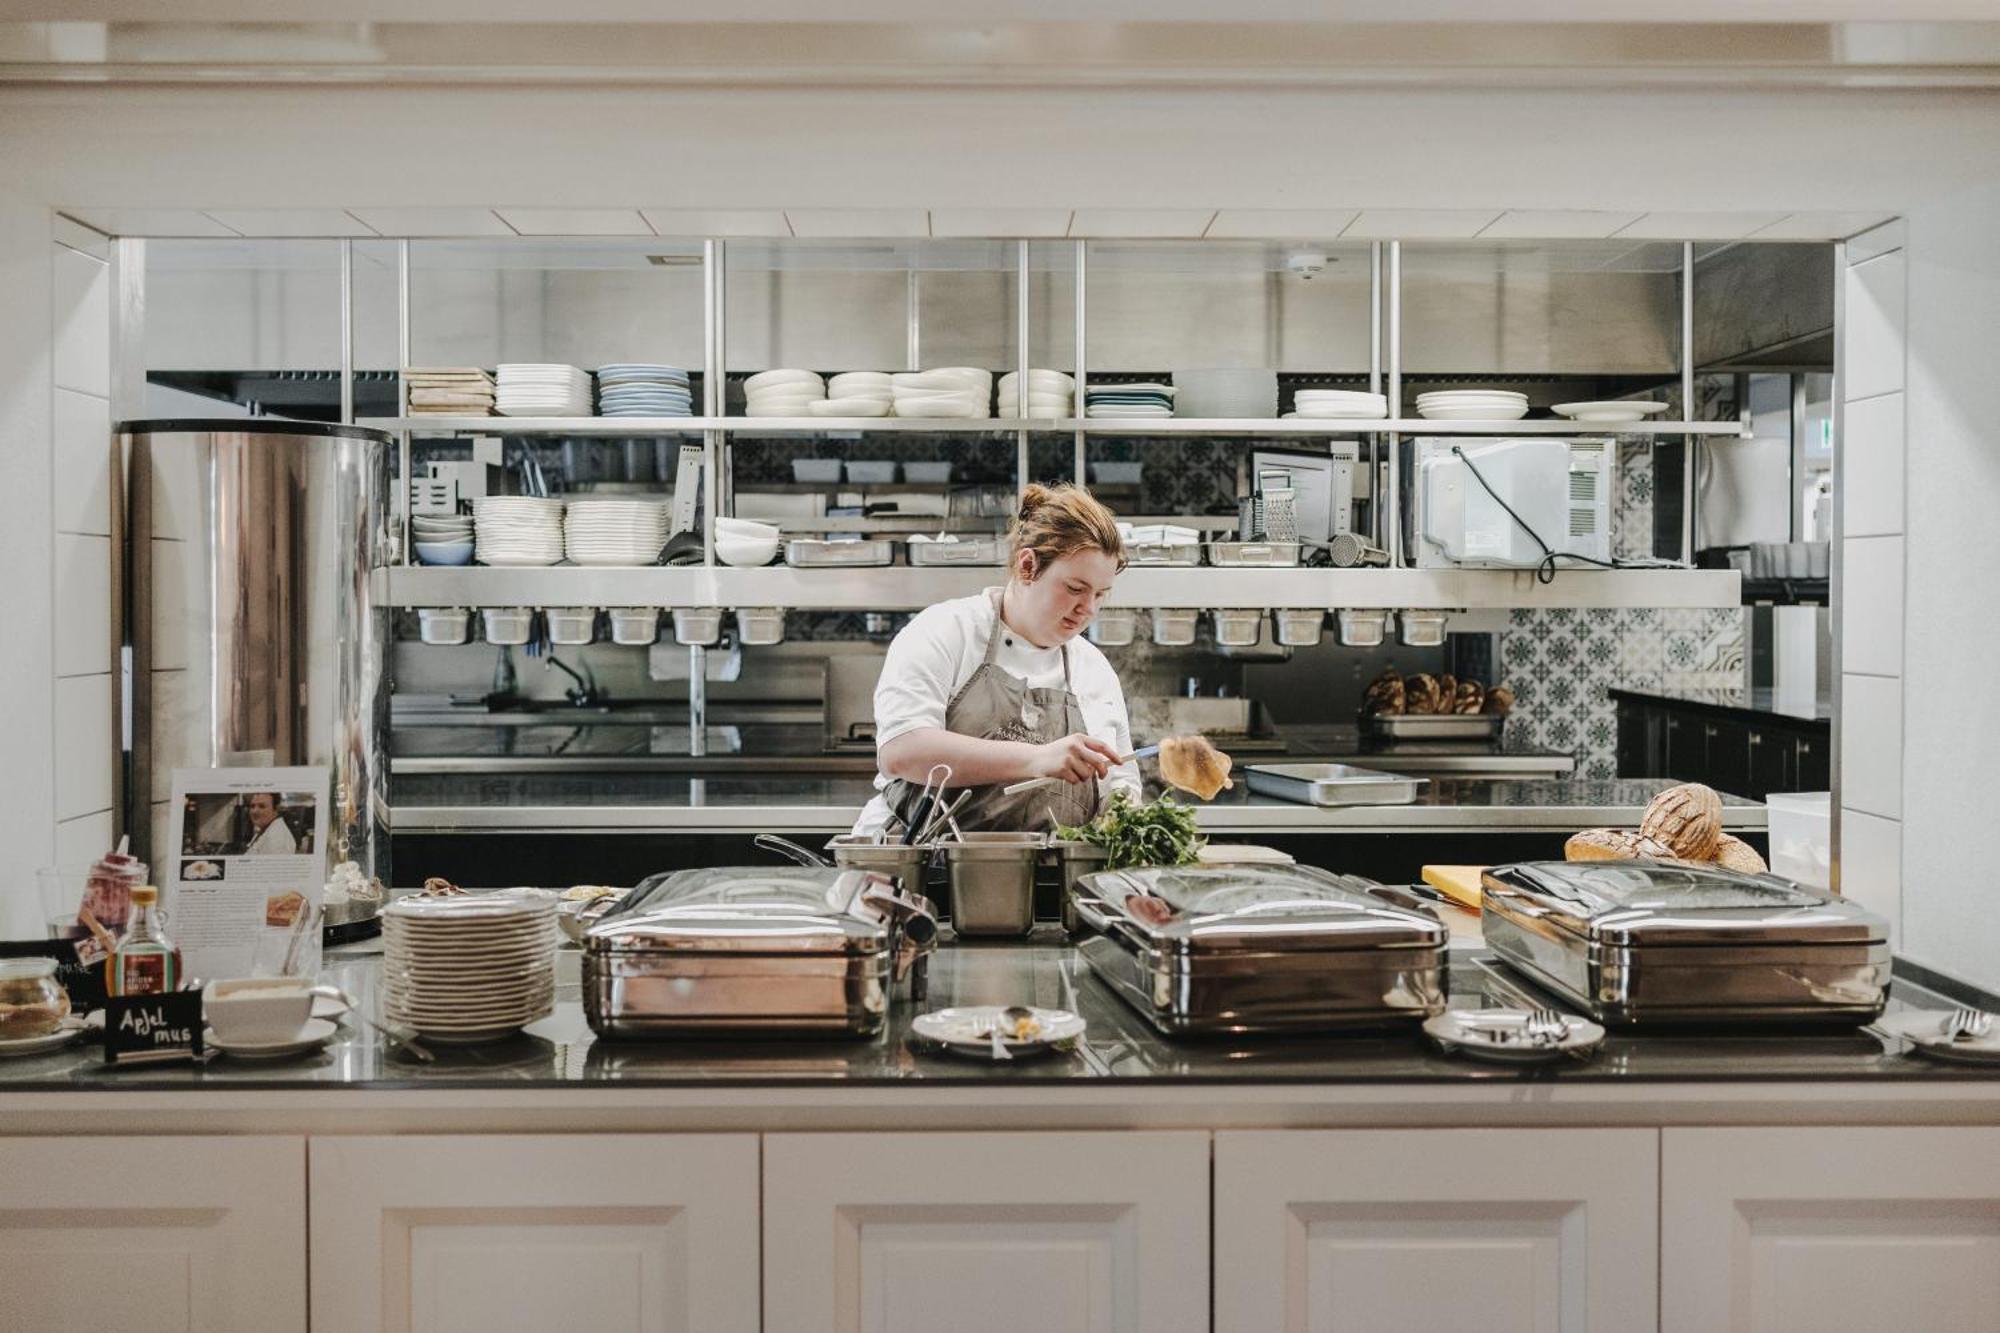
275 840
937 652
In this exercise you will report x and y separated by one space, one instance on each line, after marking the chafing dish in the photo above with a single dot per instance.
1263 948
1655 942
774 951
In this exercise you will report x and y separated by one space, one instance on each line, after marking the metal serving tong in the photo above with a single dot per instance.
934 784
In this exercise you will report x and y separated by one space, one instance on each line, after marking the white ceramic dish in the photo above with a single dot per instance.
1925 1030
968 407
849 407
66 1032
745 552
311 1036
1608 411
1496 413
767 379
1488 1034
965 1030
744 527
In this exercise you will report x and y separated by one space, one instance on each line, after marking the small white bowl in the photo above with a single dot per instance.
745 527
746 552
769 379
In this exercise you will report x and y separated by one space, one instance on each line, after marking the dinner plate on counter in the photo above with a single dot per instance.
966 1030
1926 1030
1500 1035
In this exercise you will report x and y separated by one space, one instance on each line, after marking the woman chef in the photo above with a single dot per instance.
1001 687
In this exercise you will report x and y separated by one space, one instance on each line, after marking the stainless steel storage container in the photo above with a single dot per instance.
1434 726
1655 942
1332 784
993 882
697 626
1261 555
759 626
1162 553
814 553
1264 948
734 951
1238 628
1174 628
1074 859
964 551
904 864
1299 628
1115 627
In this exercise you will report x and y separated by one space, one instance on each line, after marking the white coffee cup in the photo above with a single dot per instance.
258 1009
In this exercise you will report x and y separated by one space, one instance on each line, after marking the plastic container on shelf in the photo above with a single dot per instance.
1117 474
571 625
635 626
1114 627
928 473
1300 628
815 471
1801 831
444 624
1174 628
697 626
508 626
866 472
758 626
1238 628
1363 629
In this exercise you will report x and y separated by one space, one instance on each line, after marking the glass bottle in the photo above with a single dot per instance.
145 961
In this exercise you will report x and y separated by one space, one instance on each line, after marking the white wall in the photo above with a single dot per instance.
1925 155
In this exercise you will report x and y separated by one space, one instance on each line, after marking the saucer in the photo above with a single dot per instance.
70 1030
316 1033
965 1030
1498 1035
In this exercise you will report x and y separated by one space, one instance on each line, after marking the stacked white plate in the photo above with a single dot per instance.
634 389
470 967
1619 409
1130 401
1050 394
1472 405
1340 404
615 532
782 393
856 393
535 390
949 391
518 530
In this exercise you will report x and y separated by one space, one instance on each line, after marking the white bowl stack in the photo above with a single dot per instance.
1339 405
442 539
1050 394
856 393
530 389
517 530
949 391
782 393
745 543
1472 405
615 532
469 967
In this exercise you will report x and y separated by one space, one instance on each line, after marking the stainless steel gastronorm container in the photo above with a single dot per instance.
1261 948
1332 784
813 553
786 951
1637 943
250 617
1434 726
992 878
964 551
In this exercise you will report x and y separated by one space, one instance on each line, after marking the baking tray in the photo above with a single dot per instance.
1434 726
1333 784
1257 555
1163 553
975 551
810 553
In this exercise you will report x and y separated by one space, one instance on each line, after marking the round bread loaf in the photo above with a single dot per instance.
1499 699
1687 819
1613 844
1736 854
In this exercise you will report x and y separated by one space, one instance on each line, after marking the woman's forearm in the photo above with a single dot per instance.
975 762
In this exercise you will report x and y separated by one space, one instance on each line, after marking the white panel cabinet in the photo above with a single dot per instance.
153 1235
1385 1231
1830 1230
614 1233
986 1233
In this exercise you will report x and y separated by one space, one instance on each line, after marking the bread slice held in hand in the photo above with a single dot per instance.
1195 766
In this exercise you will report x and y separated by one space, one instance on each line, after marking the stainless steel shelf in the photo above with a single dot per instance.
751 427
902 588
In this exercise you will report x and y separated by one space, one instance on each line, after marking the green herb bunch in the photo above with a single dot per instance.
1158 834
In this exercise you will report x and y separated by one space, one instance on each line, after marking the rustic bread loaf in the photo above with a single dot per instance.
1687 819
1471 697
1736 854
1613 844
1499 700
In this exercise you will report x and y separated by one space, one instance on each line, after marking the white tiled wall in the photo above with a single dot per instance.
80 506
1871 386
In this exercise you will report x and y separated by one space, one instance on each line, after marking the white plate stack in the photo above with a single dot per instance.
856 393
517 530
1129 401
949 391
1050 394
1339 405
615 532
536 390
1472 405
635 389
469 967
782 393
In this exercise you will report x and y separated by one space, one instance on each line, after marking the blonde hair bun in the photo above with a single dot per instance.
1058 521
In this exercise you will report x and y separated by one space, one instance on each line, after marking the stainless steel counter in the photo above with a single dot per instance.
651 803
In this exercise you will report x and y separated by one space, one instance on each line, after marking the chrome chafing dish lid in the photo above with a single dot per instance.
1675 903
1272 908
763 910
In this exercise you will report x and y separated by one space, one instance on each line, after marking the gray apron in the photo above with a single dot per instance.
996 705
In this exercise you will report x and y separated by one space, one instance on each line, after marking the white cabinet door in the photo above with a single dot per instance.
153 1234
1388 1231
1828 1230
615 1233
986 1233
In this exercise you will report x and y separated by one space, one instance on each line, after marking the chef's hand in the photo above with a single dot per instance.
1074 758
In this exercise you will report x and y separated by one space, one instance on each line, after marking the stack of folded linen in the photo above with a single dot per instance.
458 391
1129 400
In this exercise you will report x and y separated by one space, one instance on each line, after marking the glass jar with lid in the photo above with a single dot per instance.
32 1002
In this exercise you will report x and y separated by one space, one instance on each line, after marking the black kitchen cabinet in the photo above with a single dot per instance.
1744 751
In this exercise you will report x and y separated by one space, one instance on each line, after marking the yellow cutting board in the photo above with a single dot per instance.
1458 883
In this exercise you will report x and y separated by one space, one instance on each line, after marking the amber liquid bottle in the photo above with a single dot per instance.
145 961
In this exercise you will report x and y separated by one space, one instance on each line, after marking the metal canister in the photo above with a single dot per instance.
993 882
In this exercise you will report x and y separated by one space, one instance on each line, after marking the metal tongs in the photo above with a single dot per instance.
927 798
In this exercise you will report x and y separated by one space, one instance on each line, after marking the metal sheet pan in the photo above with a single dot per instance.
1434 726
1333 784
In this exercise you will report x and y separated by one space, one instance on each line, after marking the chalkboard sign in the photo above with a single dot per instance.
83 981
140 1028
